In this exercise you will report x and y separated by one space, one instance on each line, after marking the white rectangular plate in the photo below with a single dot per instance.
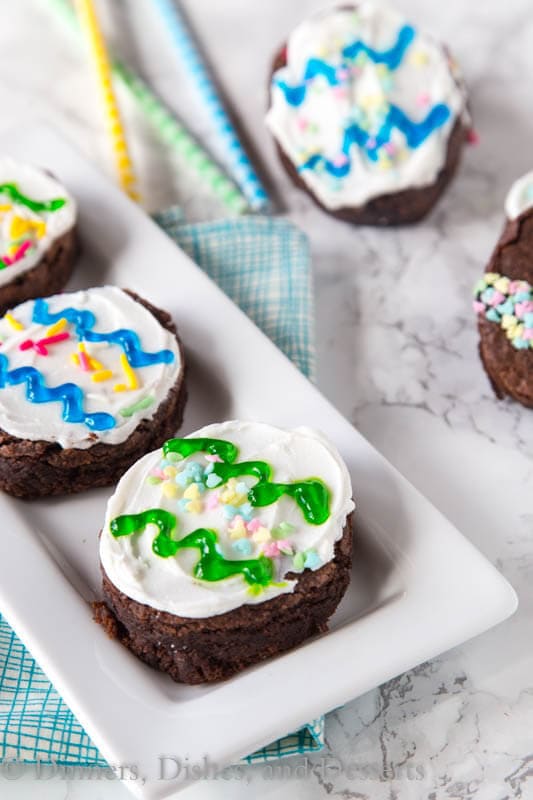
418 587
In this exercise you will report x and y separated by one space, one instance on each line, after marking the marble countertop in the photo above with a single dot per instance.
396 353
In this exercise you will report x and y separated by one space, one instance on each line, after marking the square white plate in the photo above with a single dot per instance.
418 587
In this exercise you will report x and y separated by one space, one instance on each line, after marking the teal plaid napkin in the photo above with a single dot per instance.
263 265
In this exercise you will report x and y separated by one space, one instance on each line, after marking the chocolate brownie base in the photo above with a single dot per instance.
33 469
510 370
48 277
399 208
215 648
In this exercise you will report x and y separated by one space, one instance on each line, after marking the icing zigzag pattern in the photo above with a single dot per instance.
415 133
69 394
84 322
295 95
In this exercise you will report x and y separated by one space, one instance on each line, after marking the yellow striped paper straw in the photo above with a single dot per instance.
102 67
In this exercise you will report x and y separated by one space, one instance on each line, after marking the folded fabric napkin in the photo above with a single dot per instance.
263 265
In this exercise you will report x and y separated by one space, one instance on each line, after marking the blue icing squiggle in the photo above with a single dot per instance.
84 321
415 133
392 58
69 394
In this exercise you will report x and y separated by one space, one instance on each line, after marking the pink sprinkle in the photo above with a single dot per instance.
284 544
212 501
423 99
84 361
527 306
58 337
340 160
339 92
302 123
519 310
472 137
528 333
342 74
213 458
253 525
40 348
235 521
271 549
27 344
496 299
479 307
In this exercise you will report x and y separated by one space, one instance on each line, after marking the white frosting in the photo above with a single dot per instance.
167 584
113 309
424 78
36 185
520 196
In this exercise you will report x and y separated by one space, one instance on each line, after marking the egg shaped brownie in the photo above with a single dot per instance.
89 382
38 241
369 114
226 547
503 300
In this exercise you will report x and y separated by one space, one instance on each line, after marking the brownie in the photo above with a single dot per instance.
32 469
399 207
509 368
215 648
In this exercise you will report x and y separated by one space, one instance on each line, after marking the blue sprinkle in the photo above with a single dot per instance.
492 315
201 486
246 511
209 469
230 511
506 308
522 297
487 294
183 503
242 488
528 319
164 463
213 480
312 559
182 479
521 344
243 546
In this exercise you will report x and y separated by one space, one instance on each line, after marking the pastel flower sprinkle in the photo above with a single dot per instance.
508 303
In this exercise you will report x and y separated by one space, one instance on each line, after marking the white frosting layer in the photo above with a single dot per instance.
36 185
167 584
113 309
424 78
520 196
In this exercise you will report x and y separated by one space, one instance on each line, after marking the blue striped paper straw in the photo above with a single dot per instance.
237 159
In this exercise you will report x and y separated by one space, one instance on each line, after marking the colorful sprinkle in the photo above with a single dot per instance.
140 405
508 303
15 324
103 375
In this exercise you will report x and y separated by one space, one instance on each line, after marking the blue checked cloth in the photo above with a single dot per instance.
263 265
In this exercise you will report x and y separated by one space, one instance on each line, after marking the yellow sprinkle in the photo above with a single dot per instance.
261 535
94 364
5 208
194 507
119 387
508 321
170 472
102 375
502 285
238 531
131 377
57 327
419 58
170 490
18 326
192 492
491 277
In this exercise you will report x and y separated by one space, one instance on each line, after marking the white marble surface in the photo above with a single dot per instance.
396 353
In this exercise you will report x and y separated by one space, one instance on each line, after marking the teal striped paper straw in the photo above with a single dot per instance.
168 126
237 160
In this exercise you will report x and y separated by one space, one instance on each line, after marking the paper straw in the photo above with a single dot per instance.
237 159
168 126
100 59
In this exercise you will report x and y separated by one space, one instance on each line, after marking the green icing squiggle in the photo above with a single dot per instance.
311 495
212 566
16 196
